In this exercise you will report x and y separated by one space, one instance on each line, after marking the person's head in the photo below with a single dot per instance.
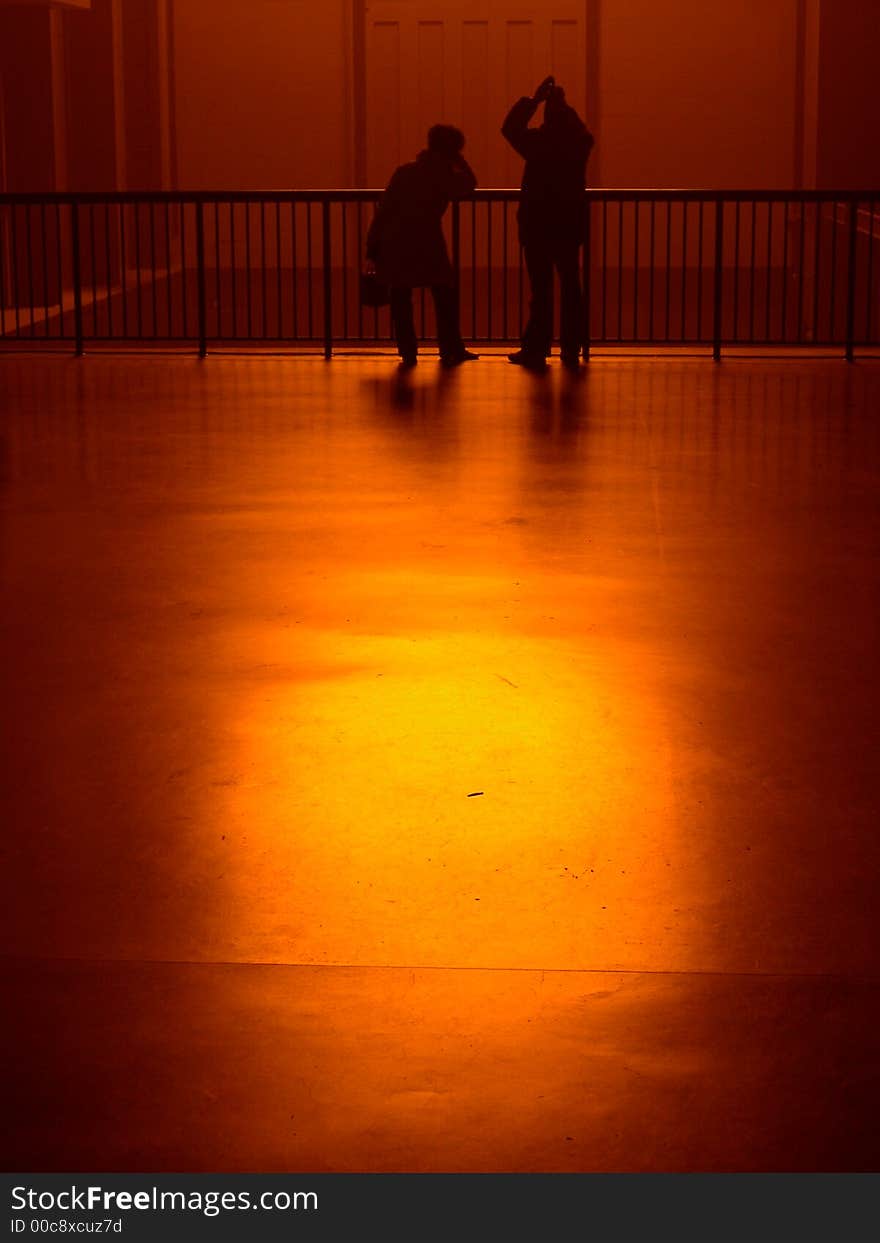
555 105
445 140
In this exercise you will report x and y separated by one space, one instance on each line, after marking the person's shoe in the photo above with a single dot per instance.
459 357
407 362
531 362
571 360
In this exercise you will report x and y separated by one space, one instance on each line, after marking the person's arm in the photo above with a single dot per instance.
463 179
516 124
377 224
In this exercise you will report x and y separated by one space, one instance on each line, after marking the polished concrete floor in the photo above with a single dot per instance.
455 771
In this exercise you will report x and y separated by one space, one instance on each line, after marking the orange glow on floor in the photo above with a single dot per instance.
274 621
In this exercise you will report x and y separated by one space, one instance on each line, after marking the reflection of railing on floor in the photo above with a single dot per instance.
664 267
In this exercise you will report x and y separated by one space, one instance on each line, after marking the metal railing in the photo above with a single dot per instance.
680 268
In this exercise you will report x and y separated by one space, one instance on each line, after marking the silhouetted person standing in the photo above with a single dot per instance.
406 243
551 219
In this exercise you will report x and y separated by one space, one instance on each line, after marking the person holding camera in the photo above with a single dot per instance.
551 219
406 246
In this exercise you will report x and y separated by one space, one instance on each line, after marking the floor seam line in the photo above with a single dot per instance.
343 966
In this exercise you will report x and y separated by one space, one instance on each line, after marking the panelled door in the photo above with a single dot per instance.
463 62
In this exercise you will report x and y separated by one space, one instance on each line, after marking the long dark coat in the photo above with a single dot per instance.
405 239
551 205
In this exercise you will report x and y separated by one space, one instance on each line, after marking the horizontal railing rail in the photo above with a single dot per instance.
498 194
679 268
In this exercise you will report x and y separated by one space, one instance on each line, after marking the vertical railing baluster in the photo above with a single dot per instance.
604 269
293 261
668 268
719 268
489 270
506 251
620 270
137 270
328 281
59 255
108 269
279 321
248 275
45 273
519 283
699 332
217 286
93 263
752 259
360 259
832 299
232 271
769 290
183 279
817 257
344 212
851 281
684 251
200 279
586 268
801 265
28 232
263 306
155 299
77 281
473 270
869 279
309 272
637 208
123 261
169 292
651 248
16 299
785 226
736 237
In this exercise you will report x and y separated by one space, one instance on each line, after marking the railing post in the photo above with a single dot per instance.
200 277
586 269
719 268
851 281
456 253
77 281
328 281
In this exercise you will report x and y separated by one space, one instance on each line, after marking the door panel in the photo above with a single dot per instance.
463 63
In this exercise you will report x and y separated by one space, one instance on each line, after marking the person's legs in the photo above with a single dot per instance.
402 320
538 333
571 302
446 311
452 348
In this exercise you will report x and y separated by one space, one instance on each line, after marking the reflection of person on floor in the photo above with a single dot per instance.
551 219
405 242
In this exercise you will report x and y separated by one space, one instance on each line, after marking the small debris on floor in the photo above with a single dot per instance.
476 794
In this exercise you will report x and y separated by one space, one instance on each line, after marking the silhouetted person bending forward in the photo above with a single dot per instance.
551 219
405 242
